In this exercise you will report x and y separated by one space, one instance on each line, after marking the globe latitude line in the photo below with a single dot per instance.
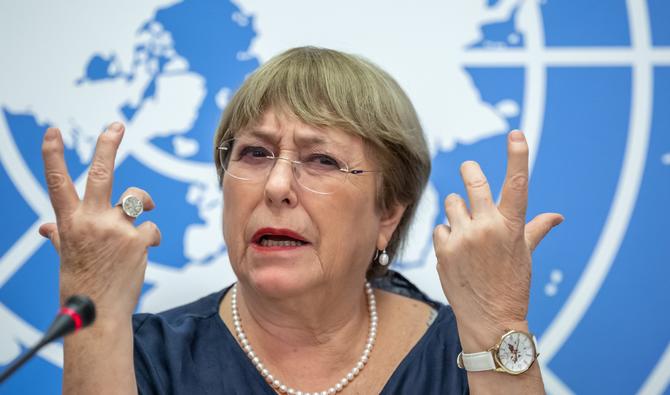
567 56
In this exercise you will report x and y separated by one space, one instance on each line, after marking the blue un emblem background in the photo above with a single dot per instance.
588 81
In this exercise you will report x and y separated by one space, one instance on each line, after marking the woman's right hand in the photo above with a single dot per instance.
102 253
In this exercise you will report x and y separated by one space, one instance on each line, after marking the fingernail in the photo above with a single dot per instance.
559 220
51 134
516 135
116 127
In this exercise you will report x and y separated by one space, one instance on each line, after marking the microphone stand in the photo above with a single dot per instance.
17 363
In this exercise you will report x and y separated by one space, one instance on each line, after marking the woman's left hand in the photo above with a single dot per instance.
484 256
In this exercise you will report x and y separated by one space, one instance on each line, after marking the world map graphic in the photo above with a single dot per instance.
589 85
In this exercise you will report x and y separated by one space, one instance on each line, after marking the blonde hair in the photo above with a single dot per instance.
327 88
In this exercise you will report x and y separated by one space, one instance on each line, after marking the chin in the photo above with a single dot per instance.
280 282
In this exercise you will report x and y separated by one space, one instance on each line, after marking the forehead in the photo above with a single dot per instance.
283 129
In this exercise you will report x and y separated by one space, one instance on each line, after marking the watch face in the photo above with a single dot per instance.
516 352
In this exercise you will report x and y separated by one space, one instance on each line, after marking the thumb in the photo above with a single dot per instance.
50 231
539 226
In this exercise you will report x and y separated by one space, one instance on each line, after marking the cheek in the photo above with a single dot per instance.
349 232
236 212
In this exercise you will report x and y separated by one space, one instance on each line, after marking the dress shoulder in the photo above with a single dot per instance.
189 350
430 367
202 308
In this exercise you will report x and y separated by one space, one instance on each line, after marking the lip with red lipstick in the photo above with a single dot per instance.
273 239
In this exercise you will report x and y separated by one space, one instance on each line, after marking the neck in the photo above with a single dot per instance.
317 319
314 355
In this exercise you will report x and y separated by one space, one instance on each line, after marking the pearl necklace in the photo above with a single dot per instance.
281 387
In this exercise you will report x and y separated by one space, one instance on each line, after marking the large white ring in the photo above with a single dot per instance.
132 206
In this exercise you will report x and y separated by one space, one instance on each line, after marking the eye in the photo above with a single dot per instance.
256 152
322 162
251 153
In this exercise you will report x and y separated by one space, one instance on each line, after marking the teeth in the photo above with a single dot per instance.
280 243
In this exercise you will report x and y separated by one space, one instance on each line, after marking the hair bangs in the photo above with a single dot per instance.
313 87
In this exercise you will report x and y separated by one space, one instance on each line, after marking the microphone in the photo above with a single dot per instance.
77 313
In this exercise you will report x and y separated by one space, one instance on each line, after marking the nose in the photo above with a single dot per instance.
280 184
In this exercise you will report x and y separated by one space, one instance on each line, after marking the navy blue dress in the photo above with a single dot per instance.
189 350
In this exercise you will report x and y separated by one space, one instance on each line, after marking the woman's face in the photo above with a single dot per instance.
284 239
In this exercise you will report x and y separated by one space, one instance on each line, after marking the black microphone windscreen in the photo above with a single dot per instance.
83 306
77 312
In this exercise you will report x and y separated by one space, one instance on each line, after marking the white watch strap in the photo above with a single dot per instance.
478 361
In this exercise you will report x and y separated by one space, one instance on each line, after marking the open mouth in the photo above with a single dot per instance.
279 241
282 238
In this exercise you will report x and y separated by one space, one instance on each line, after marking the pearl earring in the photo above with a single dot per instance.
383 258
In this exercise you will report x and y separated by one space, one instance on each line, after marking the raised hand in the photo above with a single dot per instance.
102 254
484 255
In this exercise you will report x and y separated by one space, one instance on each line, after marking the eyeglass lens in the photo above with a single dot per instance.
252 160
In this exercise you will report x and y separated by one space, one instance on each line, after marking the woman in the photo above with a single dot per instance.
322 163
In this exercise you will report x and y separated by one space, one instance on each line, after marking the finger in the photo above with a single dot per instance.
50 231
441 234
62 194
147 202
150 233
539 227
477 187
514 197
101 173
456 211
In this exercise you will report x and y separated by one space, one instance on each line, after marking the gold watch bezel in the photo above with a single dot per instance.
495 349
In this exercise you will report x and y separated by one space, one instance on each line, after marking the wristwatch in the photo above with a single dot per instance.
514 354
